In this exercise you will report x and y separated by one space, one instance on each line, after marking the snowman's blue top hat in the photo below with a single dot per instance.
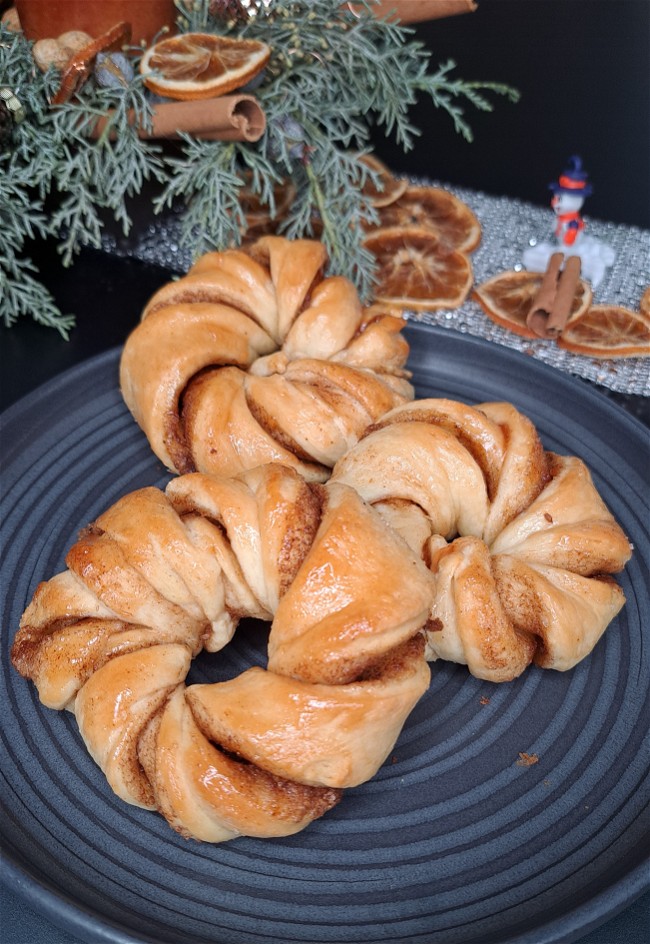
573 179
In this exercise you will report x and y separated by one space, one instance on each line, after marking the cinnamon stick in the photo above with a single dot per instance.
227 118
540 310
551 306
415 11
566 290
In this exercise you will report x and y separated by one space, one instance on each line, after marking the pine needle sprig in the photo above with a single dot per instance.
342 211
96 174
335 75
23 294
53 151
358 62
207 177
448 94
363 71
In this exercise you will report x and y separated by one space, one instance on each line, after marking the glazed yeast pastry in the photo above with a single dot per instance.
373 532
255 356
519 543
446 532
159 576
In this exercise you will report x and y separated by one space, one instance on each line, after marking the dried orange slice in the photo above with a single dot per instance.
437 210
201 65
608 331
506 299
259 220
415 271
388 188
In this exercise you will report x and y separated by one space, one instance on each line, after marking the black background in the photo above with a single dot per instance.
582 68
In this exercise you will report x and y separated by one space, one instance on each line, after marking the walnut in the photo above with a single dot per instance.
73 41
58 52
48 52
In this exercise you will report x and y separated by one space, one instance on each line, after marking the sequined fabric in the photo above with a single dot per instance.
508 228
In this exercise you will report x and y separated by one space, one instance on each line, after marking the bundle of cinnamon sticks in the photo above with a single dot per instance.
552 304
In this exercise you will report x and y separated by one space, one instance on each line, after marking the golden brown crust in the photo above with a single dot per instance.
206 794
160 575
260 313
517 538
446 532
338 618
344 732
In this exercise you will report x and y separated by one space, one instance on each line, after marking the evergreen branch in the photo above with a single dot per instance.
445 93
22 294
207 178
332 76
100 174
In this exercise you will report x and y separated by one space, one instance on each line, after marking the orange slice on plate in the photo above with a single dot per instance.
506 298
201 65
414 271
387 189
608 331
437 210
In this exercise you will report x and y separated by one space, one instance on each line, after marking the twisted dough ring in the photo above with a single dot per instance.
255 357
520 544
481 547
475 543
160 575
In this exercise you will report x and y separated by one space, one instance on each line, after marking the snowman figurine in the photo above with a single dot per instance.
569 193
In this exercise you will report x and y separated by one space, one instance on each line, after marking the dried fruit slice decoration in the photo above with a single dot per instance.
506 299
196 66
388 187
608 331
415 272
437 210
421 246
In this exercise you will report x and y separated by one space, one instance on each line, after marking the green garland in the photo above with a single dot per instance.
361 71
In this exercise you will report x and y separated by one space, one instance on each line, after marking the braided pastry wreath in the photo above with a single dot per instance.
256 357
478 547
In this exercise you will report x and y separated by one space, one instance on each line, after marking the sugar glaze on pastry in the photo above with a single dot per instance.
159 576
520 544
256 356
443 531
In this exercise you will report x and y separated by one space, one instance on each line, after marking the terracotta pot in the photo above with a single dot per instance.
47 19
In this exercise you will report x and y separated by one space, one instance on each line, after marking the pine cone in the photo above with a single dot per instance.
229 10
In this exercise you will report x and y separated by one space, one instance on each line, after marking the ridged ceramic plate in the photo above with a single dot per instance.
453 842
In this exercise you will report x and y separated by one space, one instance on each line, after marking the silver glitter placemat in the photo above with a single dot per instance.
509 227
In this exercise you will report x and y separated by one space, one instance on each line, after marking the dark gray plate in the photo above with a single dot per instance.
452 842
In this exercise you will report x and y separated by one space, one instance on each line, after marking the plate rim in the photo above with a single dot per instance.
418 329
